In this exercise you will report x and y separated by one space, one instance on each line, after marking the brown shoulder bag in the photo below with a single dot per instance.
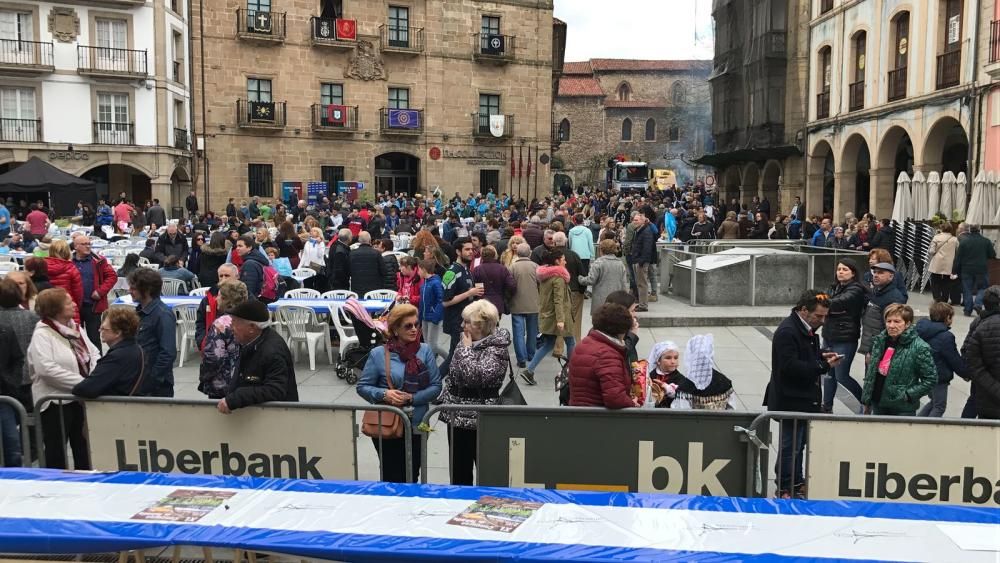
382 424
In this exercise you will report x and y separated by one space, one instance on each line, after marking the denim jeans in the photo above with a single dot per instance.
841 373
938 404
973 284
10 435
525 334
548 343
793 446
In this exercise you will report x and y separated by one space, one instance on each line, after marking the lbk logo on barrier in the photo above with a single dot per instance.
695 454
196 439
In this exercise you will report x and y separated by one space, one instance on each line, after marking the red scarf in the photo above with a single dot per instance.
76 342
415 375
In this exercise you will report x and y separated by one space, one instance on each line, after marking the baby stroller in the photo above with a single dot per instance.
370 334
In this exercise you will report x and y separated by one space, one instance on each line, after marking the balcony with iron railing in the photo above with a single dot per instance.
897 84
406 40
324 34
993 56
949 69
110 62
260 25
260 115
401 121
334 118
181 139
823 105
481 127
495 48
21 130
26 56
856 96
114 133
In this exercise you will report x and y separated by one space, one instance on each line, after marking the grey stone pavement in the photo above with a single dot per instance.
743 353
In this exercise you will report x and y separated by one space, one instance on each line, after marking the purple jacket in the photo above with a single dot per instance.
498 283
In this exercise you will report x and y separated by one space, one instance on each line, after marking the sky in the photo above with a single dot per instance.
637 29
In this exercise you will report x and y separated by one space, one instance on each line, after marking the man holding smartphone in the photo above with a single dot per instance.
797 368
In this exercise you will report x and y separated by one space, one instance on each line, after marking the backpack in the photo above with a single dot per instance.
269 289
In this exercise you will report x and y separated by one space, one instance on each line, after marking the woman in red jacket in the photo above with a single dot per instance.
62 273
599 375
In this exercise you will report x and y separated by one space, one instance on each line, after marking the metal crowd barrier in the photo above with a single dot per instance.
22 422
760 435
407 430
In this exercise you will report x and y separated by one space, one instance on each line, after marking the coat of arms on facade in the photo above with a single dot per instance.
366 63
64 24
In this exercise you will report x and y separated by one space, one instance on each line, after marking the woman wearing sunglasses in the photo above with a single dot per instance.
415 383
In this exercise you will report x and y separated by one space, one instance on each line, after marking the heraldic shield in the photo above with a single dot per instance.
497 125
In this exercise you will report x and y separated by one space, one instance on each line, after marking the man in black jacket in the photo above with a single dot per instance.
173 243
980 352
367 267
797 368
338 263
643 253
970 265
265 371
191 204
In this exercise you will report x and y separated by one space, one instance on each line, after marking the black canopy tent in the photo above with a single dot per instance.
38 176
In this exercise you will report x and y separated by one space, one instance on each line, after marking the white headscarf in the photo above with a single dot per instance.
658 350
699 356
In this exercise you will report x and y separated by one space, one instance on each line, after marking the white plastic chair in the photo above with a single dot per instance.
304 293
6 267
187 316
339 295
381 295
199 291
303 325
173 287
303 273
111 252
345 331
122 243
150 265
6 258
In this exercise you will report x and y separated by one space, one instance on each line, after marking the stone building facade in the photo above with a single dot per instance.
98 90
397 95
647 110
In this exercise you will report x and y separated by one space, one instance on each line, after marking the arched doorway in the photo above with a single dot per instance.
895 155
855 174
863 181
115 179
562 184
821 194
947 147
751 183
772 174
397 173
731 184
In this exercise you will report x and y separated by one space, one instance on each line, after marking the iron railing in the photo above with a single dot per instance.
400 124
822 105
113 133
321 118
260 114
994 41
500 47
260 24
897 84
949 69
401 39
181 139
14 52
112 61
21 130
856 96
481 126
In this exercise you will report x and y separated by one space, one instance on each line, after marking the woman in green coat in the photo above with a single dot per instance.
902 367
555 315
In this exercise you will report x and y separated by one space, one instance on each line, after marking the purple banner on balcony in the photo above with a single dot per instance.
404 118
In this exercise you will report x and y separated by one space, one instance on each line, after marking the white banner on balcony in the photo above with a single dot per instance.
497 125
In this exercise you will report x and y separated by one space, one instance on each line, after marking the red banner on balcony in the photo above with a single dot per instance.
347 30
336 115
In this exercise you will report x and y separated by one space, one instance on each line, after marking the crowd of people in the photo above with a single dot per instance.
458 266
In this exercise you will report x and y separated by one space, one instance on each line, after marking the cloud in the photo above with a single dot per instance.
637 29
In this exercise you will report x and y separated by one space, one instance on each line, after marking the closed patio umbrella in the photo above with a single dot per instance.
933 195
976 212
961 193
903 206
948 194
919 190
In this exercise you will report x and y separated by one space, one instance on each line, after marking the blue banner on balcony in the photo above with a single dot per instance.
404 118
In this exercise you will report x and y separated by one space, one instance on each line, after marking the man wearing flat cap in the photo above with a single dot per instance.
882 294
265 371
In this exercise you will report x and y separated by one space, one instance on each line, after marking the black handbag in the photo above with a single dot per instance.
511 393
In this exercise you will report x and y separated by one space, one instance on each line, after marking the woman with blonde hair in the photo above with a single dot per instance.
27 287
510 254
415 382
420 241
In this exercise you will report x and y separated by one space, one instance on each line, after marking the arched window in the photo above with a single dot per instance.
564 130
650 129
624 92
627 129
678 93
824 82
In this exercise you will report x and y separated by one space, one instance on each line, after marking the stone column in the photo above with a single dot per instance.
844 194
160 189
883 189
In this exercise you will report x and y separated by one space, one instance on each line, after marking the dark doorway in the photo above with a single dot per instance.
862 186
828 184
955 157
904 161
397 173
489 180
